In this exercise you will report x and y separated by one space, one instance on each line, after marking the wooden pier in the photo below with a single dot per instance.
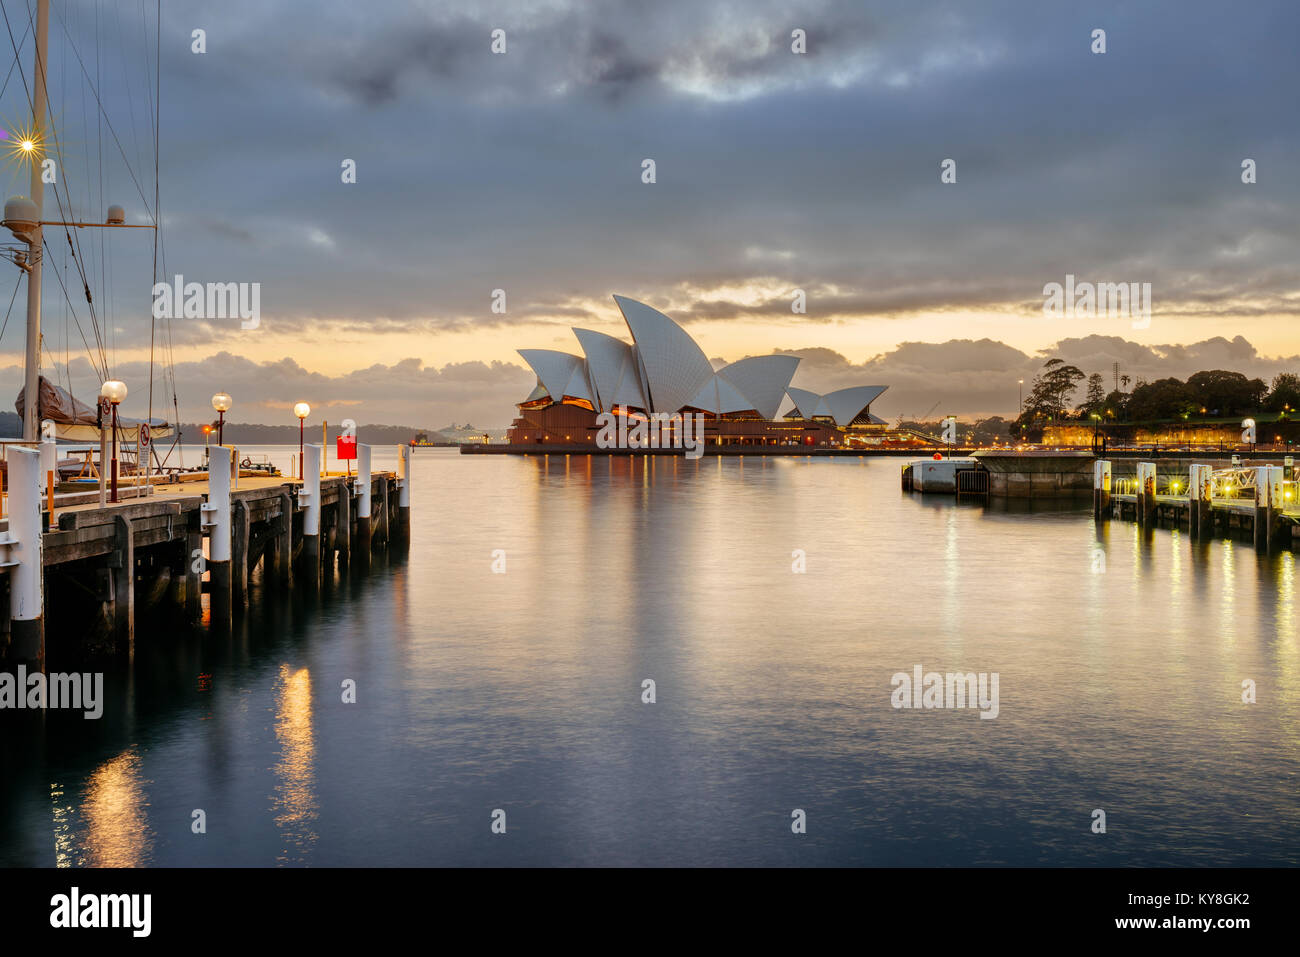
1206 503
81 576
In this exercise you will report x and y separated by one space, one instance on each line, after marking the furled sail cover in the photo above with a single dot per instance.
611 366
676 369
762 380
845 404
554 369
78 422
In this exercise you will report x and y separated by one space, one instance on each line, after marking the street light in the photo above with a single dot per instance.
114 390
301 410
221 402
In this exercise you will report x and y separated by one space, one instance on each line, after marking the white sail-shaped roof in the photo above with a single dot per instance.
842 405
675 368
611 366
762 380
806 402
579 387
845 404
554 369
720 397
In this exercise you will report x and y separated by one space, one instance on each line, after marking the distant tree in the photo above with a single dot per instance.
1221 392
1125 380
988 431
1284 394
1163 399
1115 407
1096 396
1054 387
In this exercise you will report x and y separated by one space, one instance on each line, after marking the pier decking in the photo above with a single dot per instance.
1211 503
84 570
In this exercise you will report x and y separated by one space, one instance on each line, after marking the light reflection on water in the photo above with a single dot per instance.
1120 688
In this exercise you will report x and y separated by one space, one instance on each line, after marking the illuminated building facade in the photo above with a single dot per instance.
663 371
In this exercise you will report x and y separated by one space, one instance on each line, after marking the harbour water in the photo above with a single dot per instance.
500 665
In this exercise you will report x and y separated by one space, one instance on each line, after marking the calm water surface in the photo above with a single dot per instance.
1120 689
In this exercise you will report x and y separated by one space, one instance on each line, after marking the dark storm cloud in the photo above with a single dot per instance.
522 170
820 172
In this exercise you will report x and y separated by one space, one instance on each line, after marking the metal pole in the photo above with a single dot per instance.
34 256
103 463
301 471
114 498
221 428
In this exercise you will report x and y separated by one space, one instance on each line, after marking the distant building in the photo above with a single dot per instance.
664 371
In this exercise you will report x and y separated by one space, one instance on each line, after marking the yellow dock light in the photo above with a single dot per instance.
114 390
222 403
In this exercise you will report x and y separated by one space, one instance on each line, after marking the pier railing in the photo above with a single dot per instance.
1262 499
187 541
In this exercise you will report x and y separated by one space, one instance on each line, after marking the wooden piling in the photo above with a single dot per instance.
284 542
1101 484
343 511
240 528
1146 494
122 564
194 565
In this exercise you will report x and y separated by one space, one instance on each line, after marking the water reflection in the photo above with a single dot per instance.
295 801
116 831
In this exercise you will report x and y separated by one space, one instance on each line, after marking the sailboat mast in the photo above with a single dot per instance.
31 392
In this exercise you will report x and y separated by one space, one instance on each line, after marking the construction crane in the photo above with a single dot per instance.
899 423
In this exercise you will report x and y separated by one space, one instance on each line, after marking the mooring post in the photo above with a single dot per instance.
194 563
404 492
309 502
1100 488
284 541
49 470
1146 493
22 550
343 515
363 500
1268 502
241 527
217 520
1199 521
123 568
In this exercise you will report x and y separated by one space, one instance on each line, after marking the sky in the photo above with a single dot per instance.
775 171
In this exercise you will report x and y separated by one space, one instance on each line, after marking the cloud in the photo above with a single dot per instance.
775 171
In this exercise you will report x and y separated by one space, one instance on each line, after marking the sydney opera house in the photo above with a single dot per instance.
662 370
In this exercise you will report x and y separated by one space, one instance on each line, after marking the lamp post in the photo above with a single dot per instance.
221 402
115 391
1096 421
301 410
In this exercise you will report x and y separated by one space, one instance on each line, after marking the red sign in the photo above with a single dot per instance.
347 447
145 435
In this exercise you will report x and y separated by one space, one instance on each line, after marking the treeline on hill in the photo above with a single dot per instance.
994 430
1212 394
